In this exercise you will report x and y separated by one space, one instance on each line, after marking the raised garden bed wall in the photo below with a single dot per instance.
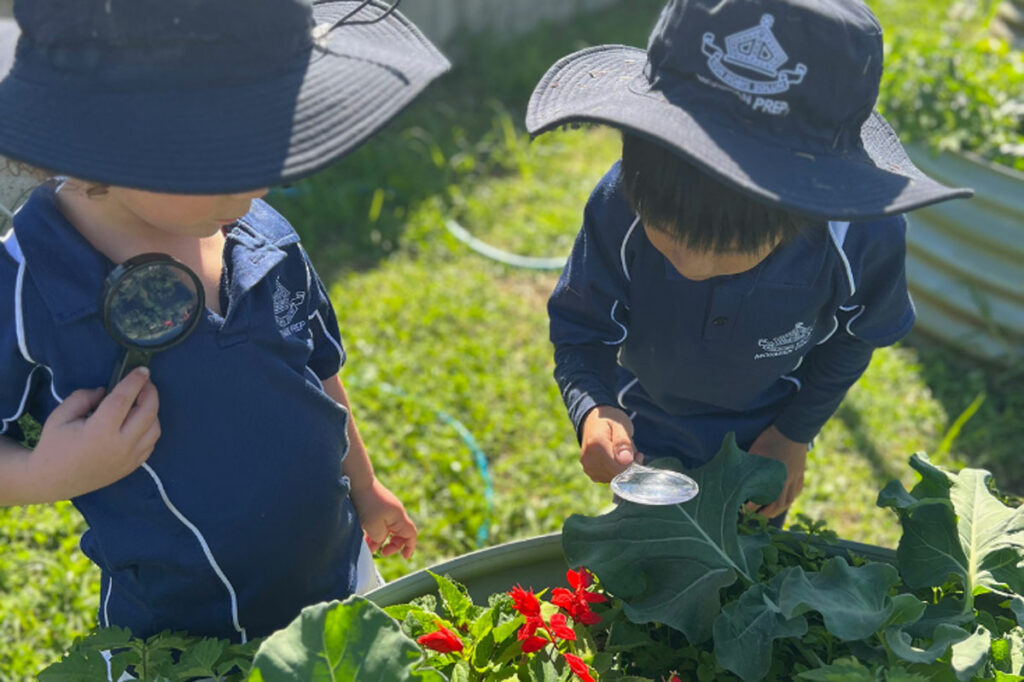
965 259
447 20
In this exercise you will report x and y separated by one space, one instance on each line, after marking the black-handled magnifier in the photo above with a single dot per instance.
150 303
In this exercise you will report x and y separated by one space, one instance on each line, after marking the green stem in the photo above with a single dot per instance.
811 657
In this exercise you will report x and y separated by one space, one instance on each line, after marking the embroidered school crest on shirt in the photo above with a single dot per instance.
794 339
286 304
754 49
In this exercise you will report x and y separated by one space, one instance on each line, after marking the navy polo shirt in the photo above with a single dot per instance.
690 361
241 516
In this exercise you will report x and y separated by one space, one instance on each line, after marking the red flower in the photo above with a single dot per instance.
533 643
577 602
530 626
443 640
525 601
580 668
560 629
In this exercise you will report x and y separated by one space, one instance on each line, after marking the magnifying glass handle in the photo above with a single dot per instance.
129 359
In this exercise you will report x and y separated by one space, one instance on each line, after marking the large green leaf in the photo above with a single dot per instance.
669 563
854 602
1017 606
840 670
333 641
944 637
970 654
953 524
746 629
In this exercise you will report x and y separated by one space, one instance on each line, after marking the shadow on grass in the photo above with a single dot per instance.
356 212
991 439
882 470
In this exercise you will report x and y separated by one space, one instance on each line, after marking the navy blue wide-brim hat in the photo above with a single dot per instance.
205 96
773 97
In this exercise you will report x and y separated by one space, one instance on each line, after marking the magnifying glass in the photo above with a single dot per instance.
651 486
150 303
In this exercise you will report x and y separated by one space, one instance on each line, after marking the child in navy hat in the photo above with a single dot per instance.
225 487
739 264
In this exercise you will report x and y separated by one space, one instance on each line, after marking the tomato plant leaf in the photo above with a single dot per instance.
77 666
669 563
347 640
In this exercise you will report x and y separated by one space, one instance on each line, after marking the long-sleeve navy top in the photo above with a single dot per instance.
691 360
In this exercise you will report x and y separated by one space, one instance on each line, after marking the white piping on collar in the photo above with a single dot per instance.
837 232
622 248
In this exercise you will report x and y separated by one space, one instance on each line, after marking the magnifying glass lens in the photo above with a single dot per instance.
150 303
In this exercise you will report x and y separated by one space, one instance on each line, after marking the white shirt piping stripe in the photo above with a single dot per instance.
205 547
106 602
622 393
24 399
330 338
10 241
794 380
625 332
850 321
19 317
835 326
837 231
315 377
622 249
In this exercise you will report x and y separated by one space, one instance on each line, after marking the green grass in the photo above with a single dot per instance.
431 326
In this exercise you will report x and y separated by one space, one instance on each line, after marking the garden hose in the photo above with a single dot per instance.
494 253
479 458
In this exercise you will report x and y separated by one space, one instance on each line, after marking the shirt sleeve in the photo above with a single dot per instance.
589 308
877 313
328 355
16 372
880 311
826 374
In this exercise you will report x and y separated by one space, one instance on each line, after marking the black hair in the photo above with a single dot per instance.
673 196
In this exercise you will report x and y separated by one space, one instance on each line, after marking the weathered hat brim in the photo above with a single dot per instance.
231 138
606 84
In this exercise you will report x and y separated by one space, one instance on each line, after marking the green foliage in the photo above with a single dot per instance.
680 557
350 640
956 89
954 525
821 609
165 657
458 333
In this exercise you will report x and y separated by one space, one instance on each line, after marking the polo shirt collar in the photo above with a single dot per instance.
69 272
64 266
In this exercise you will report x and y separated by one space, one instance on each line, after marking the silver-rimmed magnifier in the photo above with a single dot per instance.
150 303
652 486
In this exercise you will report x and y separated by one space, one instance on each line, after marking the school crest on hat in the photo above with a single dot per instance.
754 50
772 97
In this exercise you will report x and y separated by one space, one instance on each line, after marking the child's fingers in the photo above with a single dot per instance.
622 444
118 403
79 404
143 414
399 543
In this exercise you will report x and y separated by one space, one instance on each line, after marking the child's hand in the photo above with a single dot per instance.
772 444
90 440
388 528
606 443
